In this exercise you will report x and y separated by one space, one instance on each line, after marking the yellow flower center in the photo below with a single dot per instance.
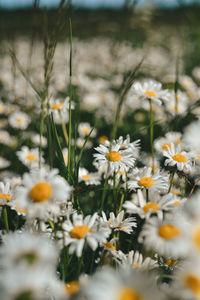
150 205
113 156
19 120
129 294
176 203
169 231
191 95
171 262
196 237
41 192
175 192
15 182
102 139
57 106
109 245
150 94
193 283
146 182
78 232
72 287
85 177
179 158
135 266
86 131
120 172
30 157
166 146
177 142
6 196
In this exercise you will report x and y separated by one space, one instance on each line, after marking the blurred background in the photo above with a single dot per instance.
138 21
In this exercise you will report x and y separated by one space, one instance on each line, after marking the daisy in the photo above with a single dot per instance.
4 163
111 157
35 138
89 178
60 109
118 224
29 157
84 129
82 230
5 193
143 178
176 157
186 284
191 137
41 194
19 120
167 238
127 144
34 250
26 283
163 143
151 90
124 284
156 205
136 260
65 155
80 142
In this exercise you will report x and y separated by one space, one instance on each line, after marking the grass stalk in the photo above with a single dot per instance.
70 104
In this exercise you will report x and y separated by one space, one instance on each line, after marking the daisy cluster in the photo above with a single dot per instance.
88 214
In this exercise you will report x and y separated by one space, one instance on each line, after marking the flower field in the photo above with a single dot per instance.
100 161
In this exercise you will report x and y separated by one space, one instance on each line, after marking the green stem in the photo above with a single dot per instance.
41 133
151 133
64 129
171 181
104 193
70 104
121 203
51 224
6 218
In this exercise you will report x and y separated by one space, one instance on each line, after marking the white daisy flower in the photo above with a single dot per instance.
191 137
19 120
127 144
89 178
26 283
114 159
65 155
60 109
167 238
156 204
35 138
176 157
150 90
80 142
34 250
118 224
192 207
5 193
163 143
124 284
84 129
4 163
144 178
136 260
82 230
186 284
29 157
41 194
